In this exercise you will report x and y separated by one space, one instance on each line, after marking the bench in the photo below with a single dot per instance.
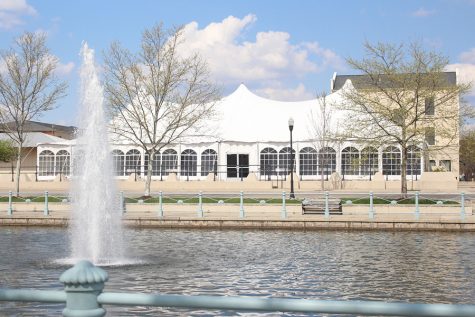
317 206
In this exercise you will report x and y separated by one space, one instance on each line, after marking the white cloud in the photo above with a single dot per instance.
466 69
277 91
270 56
64 69
11 12
421 13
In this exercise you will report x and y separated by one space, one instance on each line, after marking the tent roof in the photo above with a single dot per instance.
35 138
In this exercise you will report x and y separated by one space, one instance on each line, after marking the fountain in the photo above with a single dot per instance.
96 233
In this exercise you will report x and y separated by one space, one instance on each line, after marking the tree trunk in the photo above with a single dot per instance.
17 170
148 179
322 181
403 171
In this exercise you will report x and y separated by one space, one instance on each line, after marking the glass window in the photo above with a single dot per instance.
268 160
118 159
308 159
63 159
429 106
447 164
209 162
46 163
326 161
350 161
155 164
414 157
430 136
169 161
432 165
285 160
132 161
188 163
369 161
391 161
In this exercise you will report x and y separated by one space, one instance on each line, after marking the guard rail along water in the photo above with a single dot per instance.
84 284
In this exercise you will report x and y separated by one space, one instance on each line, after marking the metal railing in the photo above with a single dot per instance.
84 296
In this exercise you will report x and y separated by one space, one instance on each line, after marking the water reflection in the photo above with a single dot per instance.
391 266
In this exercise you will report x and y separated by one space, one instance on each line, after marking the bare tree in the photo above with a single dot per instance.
403 97
157 96
28 87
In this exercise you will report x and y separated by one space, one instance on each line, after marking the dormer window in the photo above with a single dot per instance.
429 106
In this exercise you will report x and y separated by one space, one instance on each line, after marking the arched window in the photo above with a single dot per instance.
209 162
327 161
188 163
308 158
391 161
169 161
46 163
132 161
285 160
350 161
369 161
118 159
155 164
268 160
63 163
414 156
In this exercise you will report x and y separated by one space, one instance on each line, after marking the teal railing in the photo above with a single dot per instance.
85 282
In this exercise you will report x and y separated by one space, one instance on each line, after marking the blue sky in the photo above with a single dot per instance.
285 50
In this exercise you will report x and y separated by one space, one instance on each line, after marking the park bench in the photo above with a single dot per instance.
317 206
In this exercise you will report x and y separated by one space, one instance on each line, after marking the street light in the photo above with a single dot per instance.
291 127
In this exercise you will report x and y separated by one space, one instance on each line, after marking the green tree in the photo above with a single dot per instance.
7 151
467 153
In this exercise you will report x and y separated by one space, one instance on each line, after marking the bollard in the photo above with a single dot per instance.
10 207
416 200
200 205
82 284
371 207
121 203
160 205
462 206
283 214
46 211
241 205
327 209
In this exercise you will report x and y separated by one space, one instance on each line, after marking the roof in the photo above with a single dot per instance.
35 138
364 81
35 126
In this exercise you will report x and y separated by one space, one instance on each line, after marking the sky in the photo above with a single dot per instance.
282 50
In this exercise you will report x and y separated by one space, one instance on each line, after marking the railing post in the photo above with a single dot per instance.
10 207
462 206
327 209
160 204
241 205
200 205
283 214
121 203
371 206
416 201
82 284
46 210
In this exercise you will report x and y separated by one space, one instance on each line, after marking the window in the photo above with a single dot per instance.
414 157
46 163
391 161
350 158
429 106
132 162
432 165
308 159
155 164
285 161
430 136
268 160
326 161
118 159
209 162
447 164
63 162
188 163
169 162
369 161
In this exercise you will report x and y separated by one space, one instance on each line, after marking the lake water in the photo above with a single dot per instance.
390 266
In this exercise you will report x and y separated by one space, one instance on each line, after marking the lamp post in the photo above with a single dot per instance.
291 127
